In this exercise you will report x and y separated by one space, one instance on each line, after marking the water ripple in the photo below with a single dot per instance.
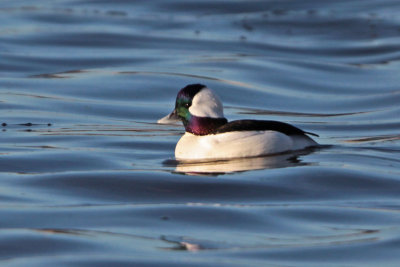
87 176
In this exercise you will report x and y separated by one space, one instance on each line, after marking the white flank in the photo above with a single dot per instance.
238 145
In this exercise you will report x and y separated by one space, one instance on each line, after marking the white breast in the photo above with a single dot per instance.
238 145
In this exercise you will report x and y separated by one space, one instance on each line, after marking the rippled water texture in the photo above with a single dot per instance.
88 177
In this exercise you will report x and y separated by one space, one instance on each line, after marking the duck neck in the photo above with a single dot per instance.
203 125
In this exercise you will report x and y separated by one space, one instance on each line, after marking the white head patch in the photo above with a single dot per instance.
206 104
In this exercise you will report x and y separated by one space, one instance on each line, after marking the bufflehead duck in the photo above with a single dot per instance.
209 135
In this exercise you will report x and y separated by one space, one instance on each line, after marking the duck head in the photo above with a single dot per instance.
199 108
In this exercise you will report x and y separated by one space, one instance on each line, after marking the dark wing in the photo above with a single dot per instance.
258 125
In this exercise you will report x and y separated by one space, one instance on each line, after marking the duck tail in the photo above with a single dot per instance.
313 134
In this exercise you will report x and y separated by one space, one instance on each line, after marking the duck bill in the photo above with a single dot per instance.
170 118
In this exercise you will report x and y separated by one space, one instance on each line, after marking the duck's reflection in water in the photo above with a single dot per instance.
220 167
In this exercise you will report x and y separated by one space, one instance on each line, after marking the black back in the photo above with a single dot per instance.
258 125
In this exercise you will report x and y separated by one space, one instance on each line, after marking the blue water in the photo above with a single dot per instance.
88 178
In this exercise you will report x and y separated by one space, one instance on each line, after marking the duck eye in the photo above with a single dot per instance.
187 105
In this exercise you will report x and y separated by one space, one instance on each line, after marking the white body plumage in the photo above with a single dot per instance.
238 145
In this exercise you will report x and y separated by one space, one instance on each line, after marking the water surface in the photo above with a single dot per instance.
88 177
